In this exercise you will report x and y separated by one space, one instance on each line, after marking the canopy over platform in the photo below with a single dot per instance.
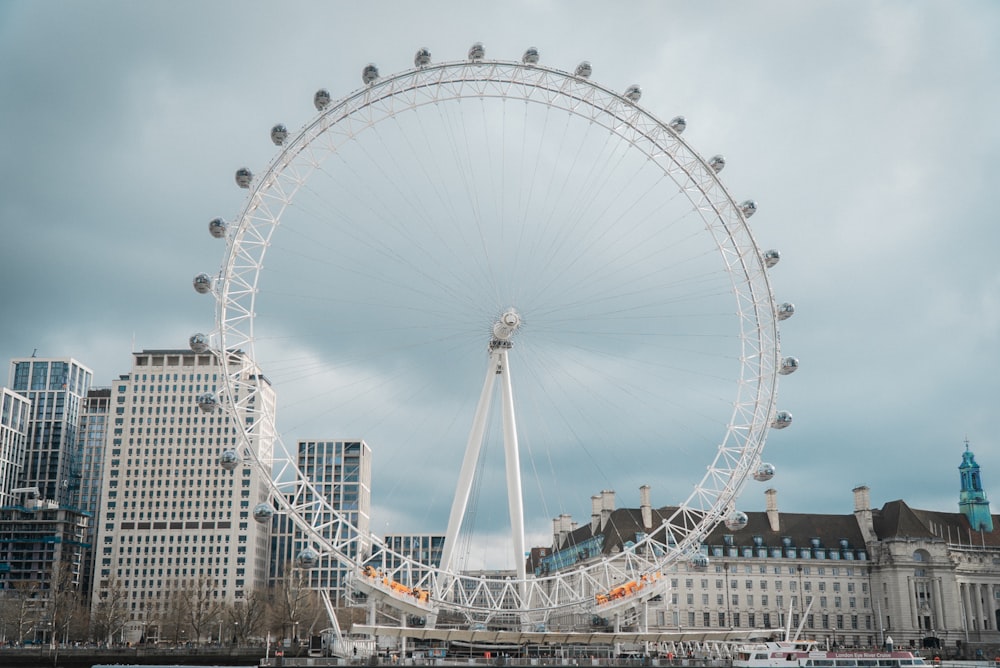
487 637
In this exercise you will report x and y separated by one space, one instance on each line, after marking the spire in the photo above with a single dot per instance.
972 500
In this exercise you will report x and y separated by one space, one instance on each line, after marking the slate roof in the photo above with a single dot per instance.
897 520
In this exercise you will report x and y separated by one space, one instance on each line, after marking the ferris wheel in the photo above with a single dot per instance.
513 220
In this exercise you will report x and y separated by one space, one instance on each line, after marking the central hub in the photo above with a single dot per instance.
505 327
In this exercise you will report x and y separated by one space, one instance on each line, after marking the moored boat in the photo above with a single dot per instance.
807 654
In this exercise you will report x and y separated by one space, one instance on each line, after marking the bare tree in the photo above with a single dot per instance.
21 608
110 613
63 606
200 605
295 606
173 619
247 616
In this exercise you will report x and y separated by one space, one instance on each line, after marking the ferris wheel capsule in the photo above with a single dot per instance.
202 283
788 365
321 99
717 162
699 562
584 70
229 459
217 228
748 207
307 558
263 512
678 124
785 311
198 343
279 133
771 258
781 420
633 93
422 57
736 520
369 74
207 402
764 472
530 56
243 177
477 52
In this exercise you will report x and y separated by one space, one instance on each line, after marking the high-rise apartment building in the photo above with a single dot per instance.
93 430
174 523
423 548
14 412
341 472
52 458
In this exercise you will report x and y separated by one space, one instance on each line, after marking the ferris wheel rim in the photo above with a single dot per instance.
732 463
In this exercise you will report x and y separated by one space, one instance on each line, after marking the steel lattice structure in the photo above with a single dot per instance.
754 411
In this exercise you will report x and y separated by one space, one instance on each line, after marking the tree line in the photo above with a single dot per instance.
52 611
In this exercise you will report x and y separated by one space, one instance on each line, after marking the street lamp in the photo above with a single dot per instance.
236 634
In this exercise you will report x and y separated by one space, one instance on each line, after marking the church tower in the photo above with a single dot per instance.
972 501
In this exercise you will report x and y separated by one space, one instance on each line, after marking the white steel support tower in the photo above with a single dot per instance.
498 369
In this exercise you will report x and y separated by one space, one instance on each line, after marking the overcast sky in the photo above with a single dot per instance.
866 131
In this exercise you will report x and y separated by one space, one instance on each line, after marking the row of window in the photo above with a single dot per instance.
720 599
763 584
767 620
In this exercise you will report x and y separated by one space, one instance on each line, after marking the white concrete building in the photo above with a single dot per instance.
172 519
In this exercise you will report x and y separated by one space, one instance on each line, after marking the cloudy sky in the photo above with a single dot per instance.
866 131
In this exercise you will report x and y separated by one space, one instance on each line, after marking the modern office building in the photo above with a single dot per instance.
14 417
340 471
423 548
174 523
52 457
94 427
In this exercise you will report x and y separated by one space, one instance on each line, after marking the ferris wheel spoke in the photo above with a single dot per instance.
418 210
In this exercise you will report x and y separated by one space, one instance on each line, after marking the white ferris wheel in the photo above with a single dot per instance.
513 220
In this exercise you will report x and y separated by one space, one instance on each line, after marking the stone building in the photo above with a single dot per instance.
928 579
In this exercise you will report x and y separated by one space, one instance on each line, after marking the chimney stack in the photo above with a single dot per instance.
645 508
772 509
607 506
863 512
